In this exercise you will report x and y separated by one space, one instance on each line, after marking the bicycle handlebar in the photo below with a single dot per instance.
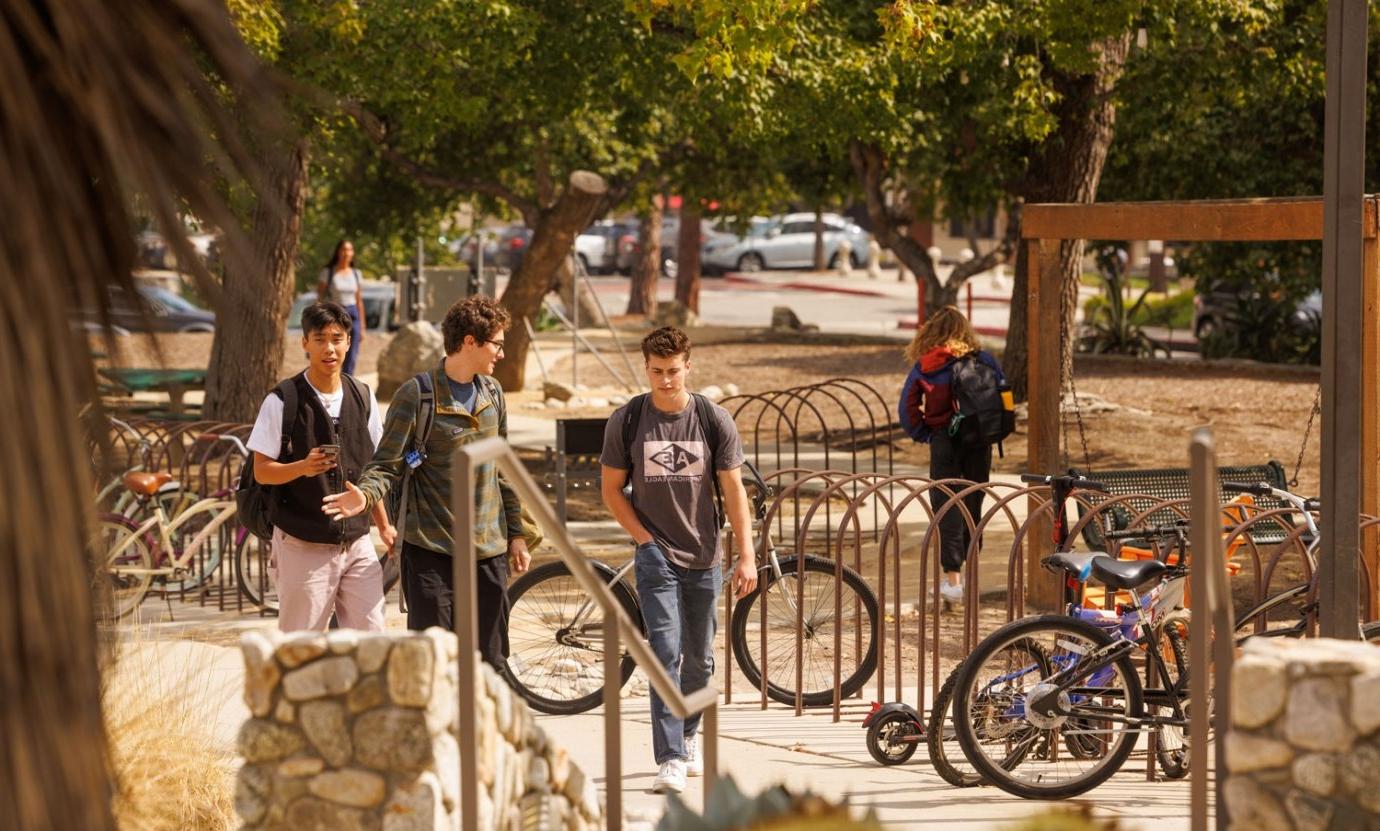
1067 481
1253 488
233 440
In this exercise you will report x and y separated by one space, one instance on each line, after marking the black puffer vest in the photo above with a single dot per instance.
297 505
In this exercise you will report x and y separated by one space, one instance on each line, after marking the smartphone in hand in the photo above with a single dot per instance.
331 450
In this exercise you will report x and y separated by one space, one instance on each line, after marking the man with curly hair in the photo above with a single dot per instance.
469 406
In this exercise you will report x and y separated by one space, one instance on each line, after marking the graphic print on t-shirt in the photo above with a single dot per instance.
667 460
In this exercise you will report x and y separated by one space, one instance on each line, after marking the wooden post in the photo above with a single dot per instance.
1043 360
1370 403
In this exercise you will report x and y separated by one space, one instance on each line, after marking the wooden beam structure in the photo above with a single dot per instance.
1044 226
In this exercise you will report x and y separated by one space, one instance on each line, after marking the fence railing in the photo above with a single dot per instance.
705 701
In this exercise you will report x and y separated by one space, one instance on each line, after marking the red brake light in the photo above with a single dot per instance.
516 243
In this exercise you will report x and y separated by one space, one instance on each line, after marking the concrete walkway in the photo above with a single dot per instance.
762 748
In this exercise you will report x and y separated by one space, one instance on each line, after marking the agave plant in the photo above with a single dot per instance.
1113 327
776 808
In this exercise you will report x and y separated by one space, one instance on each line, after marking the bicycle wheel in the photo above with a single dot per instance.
942 740
892 739
123 580
1171 740
256 574
1021 750
556 639
858 626
214 549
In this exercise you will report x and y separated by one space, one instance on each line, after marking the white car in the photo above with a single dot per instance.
786 242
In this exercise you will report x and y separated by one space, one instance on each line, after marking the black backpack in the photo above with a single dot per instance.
252 499
705 410
983 407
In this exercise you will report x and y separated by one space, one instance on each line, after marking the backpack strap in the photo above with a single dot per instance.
421 431
709 425
287 390
632 416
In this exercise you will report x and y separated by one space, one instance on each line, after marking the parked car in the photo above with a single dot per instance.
598 246
785 242
1219 306
380 300
503 247
152 309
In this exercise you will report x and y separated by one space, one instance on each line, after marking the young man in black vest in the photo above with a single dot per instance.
324 565
672 460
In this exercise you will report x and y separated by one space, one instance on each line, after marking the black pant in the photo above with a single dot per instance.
953 457
429 585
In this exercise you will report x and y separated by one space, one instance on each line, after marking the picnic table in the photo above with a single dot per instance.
173 382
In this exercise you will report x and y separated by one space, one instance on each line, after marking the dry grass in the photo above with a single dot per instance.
169 774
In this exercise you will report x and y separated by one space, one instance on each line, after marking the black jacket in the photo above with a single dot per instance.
297 505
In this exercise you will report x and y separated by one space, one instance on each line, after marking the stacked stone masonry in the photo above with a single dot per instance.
359 732
1304 749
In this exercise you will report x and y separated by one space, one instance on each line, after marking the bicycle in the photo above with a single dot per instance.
1013 714
896 729
160 548
555 632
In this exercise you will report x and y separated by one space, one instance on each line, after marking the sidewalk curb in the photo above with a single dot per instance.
797 286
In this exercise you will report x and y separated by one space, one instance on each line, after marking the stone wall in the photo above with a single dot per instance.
354 731
1304 749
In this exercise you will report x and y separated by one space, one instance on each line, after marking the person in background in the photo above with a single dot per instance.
341 283
926 409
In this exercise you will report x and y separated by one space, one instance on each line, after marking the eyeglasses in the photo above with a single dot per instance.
497 343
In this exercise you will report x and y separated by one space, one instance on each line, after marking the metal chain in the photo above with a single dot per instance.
1298 463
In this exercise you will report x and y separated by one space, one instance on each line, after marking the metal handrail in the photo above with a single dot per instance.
1204 650
705 701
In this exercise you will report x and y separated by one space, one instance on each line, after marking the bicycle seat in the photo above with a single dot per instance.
1127 574
146 484
1076 563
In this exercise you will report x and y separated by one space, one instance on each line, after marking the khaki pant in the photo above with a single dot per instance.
316 579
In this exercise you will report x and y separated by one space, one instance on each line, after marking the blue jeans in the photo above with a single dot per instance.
355 331
679 609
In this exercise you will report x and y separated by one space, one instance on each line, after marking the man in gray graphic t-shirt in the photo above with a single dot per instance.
673 518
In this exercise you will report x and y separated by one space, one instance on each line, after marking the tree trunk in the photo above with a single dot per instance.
688 256
820 263
554 229
1067 168
247 350
647 269
869 165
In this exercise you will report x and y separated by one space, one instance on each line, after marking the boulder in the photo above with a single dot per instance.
557 390
783 318
414 347
675 313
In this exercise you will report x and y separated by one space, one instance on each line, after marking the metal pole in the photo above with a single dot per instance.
466 628
589 346
532 341
599 304
479 260
574 324
613 729
1343 317
1203 492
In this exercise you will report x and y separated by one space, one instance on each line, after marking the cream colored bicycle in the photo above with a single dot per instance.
162 549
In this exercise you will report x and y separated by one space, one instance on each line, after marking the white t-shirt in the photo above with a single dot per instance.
267 436
344 284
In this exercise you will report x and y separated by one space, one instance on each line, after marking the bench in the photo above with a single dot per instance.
574 463
1172 483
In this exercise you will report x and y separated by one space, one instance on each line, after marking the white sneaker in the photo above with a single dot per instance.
671 777
952 593
694 762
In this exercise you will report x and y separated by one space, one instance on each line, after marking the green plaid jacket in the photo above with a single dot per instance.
429 517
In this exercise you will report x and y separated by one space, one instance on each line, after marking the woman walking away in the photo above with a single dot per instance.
929 413
341 283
